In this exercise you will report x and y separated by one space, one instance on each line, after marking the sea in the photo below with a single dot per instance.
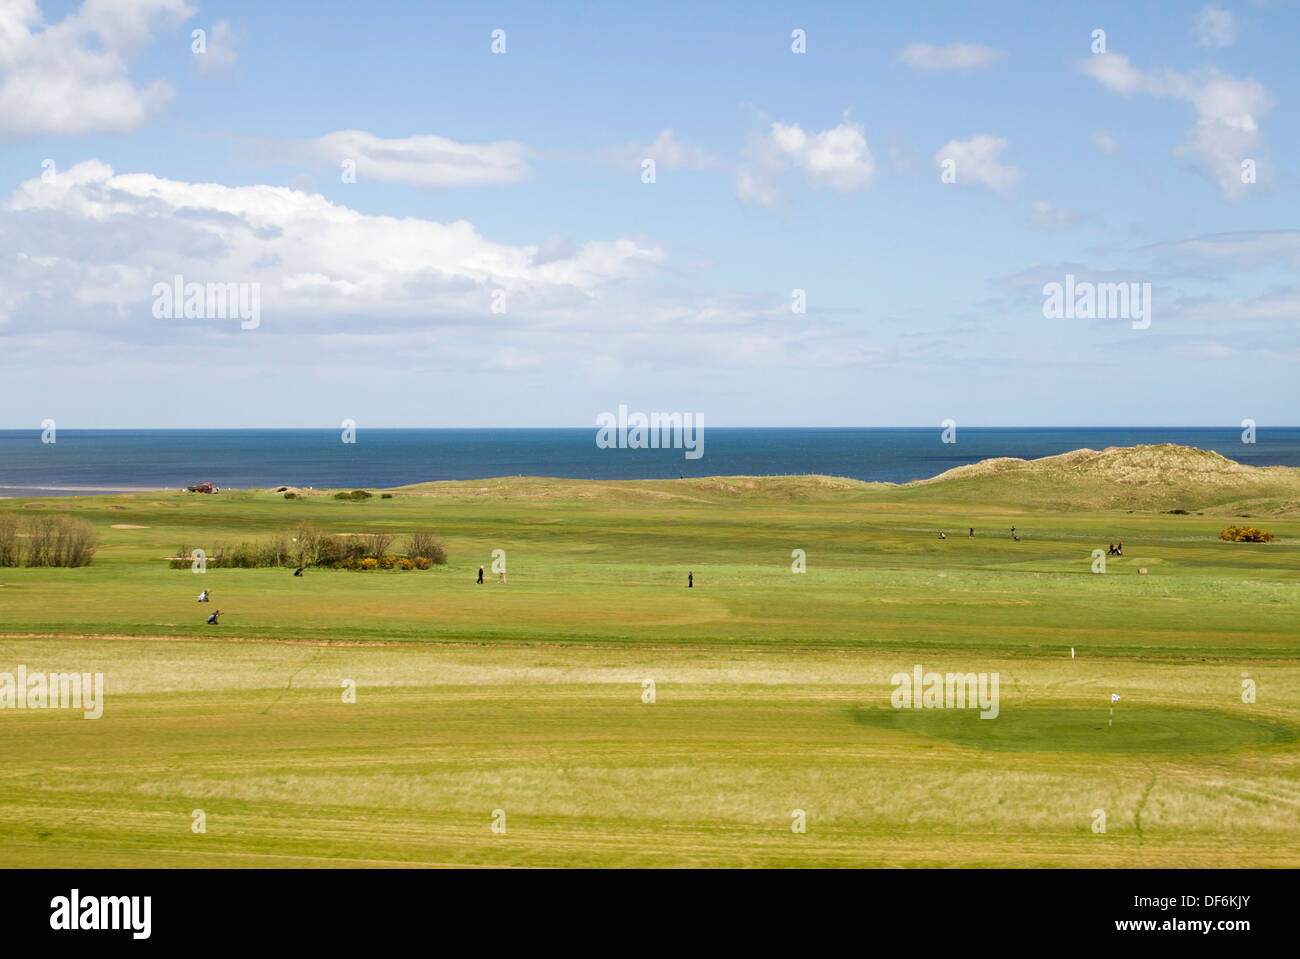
82 462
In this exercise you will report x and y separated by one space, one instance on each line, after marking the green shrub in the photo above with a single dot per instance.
47 541
238 556
424 543
9 545
375 544
385 495
331 550
308 547
290 495
356 494
276 551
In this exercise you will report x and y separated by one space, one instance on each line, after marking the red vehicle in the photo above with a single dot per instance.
201 488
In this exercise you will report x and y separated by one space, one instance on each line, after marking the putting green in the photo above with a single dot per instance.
1135 729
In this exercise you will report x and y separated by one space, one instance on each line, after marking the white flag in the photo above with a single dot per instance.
1114 697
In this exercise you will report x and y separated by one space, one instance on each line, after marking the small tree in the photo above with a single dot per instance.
423 543
10 551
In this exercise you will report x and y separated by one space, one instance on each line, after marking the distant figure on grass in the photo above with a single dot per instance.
480 575
972 532
502 578
1110 550
1119 549
203 596
942 534
1015 536
298 571
1013 532
212 620
690 580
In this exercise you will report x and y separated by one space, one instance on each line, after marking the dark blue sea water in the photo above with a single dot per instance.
81 460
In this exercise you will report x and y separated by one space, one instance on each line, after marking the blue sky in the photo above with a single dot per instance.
514 180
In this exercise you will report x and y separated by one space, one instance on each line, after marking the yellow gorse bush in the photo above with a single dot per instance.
1245 534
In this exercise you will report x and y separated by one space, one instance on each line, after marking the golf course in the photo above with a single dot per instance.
594 710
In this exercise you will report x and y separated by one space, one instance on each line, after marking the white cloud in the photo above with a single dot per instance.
219 54
1227 111
953 56
72 77
838 157
1214 28
667 151
1044 216
977 161
1115 73
106 238
1104 142
390 298
752 188
423 160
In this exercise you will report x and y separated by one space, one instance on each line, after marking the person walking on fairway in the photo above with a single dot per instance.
972 532
203 596
480 575
298 571
212 620
690 580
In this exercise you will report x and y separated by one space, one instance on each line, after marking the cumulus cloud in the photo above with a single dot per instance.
1227 111
1214 28
667 151
72 77
94 236
838 157
977 161
346 295
422 160
953 56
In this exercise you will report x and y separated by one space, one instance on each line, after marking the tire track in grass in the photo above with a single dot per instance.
292 676
1146 793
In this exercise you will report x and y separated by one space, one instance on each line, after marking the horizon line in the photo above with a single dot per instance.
805 426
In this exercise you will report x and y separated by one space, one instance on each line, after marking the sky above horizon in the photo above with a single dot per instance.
443 235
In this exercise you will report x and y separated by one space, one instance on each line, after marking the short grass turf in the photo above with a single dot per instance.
772 689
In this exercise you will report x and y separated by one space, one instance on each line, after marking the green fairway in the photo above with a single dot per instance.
771 689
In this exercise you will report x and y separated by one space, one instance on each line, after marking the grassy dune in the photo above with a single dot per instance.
771 688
